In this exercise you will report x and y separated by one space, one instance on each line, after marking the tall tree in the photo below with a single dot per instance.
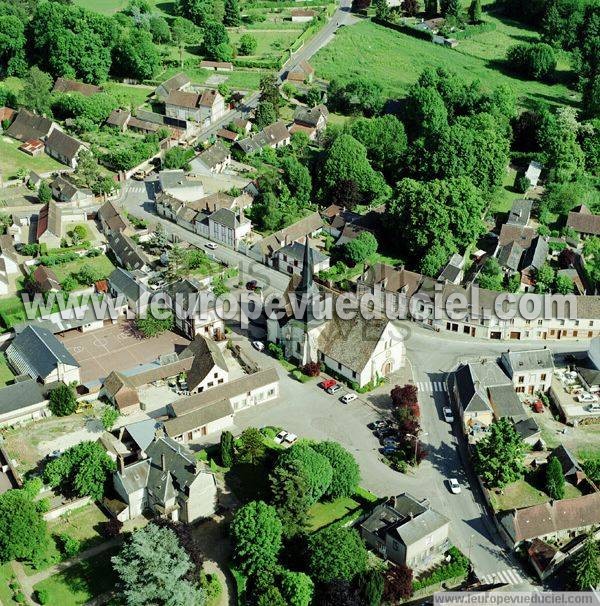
499 454
256 535
232 16
136 55
585 565
227 449
475 11
36 91
151 567
199 12
431 8
450 8
296 588
251 445
555 479
360 248
12 45
62 400
269 91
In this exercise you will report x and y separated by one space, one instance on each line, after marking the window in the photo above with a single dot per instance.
543 377
210 384
339 366
521 379
354 374
395 545
216 375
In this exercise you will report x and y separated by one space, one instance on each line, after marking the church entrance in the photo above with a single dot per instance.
387 369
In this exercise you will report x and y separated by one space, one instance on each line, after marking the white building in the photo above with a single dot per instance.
530 371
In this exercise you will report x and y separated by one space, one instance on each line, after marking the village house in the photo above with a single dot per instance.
195 311
205 108
127 252
64 148
119 118
38 353
45 280
213 410
178 82
275 135
533 172
213 160
112 219
9 263
301 72
30 127
583 221
177 185
123 283
310 120
520 212
303 15
64 85
208 367
289 259
65 191
22 401
453 271
377 346
407 532
167 480
530 371
217 66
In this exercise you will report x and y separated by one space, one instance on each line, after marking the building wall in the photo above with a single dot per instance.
215 377
137 501
183 113
256 396
533 381
202 498
28 413
198 433
429 548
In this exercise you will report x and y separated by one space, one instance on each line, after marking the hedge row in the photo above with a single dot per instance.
457 567
262 64
473 30
405 29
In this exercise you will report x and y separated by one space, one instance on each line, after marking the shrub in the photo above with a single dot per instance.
312 369
458 566
69 545
41 596
276 351
112 528
522 184
532 60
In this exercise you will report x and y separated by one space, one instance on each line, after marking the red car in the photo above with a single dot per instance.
327 383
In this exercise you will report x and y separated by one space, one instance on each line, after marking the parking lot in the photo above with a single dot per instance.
117 347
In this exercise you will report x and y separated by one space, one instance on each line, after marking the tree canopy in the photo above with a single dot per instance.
346 473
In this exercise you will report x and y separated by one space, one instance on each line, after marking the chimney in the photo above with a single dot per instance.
163 462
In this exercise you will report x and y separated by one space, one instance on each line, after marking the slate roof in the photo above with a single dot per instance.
474 379
391 279
27 126
21 394
214 155
527 428
549 518
64 85
270 135
124 282
310 116
570 465
65 189
520 212
505 402
208 98
135 477
295 251
127 251
213 411
142 432
42 350
206 355
111 215
509 255
516 233
295 231
583 221
535 256
225 217
524 361
118 117
63 144
175 82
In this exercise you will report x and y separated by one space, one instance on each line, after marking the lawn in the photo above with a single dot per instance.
506 194
80 583
270 42
6 374
136 95
395 60
102 264
6 577
322 514
244 79
517 495
12 159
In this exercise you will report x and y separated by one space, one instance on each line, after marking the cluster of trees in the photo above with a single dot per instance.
407 414
537 60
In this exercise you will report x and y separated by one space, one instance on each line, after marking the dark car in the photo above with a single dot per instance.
386 432
381 424
388 450
251 285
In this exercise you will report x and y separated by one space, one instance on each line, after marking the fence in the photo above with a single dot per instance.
66 507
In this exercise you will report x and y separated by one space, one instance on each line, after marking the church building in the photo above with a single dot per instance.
361 350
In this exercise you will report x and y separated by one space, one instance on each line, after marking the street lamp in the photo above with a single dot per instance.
416 437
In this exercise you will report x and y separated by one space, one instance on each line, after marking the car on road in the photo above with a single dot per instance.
139 176
448 415
251 285
454 486
258 345
211 246
348 397
388 450
327 383
280 437
333 388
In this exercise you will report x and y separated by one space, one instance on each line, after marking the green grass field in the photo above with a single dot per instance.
102 264
6 374
270 43
80 583
136 95
322 514
110 7
11 159
395 60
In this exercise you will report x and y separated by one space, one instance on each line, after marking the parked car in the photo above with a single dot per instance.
280 437
327 383
454 486
251 285
258 345
349 397
381 424
391 442
139 176
388 450
448 415
211 246
333 388
386 432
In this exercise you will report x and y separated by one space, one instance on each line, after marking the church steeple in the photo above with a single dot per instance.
307 284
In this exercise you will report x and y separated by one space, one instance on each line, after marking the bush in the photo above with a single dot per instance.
458 566
41 596
522 184
69 545
405 29
112 528
536 61
276 351
312 369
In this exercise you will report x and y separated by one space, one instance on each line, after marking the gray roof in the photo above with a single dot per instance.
310 115
225 217
143 432
535 256
215 154
27 126
20 395
421 526
509 255
270 135
124 282
207 355
520 212
474 379
127 251
135 477
175 82
522 361
527 428
63 144
570 465
295 251
505 402
175 178
199 417
42 350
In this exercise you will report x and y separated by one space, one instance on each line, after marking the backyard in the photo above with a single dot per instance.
11 159
100 265
6 375
479 58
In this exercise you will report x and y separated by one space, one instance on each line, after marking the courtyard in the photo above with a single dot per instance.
117 347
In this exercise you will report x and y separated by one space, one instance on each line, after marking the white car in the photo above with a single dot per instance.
347 398
290 438
211 246
258 345
448 416
454 486
331 390
280 437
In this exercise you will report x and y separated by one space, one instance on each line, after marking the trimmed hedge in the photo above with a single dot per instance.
473 30
457 567
259 63
405 29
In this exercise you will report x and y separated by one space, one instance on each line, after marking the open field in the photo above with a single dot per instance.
102 264
381 48
136 94
12 159
270 42
6 375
